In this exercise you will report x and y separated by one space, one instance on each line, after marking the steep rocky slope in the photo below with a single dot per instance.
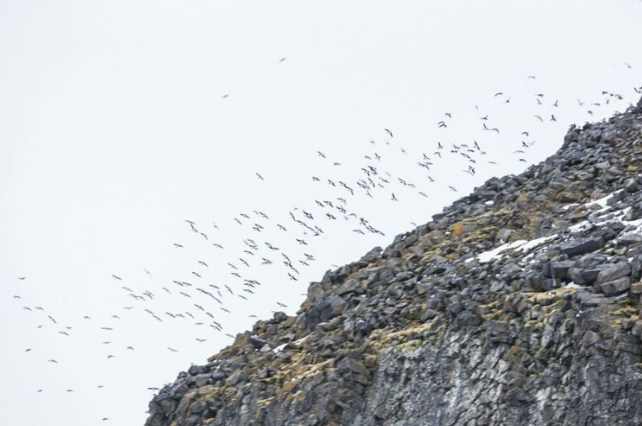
518 305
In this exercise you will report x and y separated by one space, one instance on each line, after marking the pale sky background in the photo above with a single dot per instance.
114 130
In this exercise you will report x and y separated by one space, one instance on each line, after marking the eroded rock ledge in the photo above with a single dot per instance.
518 305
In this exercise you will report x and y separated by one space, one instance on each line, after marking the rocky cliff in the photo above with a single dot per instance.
518 305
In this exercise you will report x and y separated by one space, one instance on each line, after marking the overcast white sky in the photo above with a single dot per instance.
114 130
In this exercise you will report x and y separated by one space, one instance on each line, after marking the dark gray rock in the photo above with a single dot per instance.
468 318
618 286
325 309
613 272
201 380
455 308
558 269
551 284
629 239
218 375
348 287
581 246
503 235
279 317
258 343
582 276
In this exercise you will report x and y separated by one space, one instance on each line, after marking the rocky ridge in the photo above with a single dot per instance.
517 305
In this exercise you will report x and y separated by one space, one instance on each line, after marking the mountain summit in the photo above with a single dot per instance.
517 305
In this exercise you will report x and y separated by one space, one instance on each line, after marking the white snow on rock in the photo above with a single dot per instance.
598 217
602 201
522 245
487 256
579 226
637 223
570 206
296 342
536 242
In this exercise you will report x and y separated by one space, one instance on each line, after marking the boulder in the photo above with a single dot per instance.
581 246
618 286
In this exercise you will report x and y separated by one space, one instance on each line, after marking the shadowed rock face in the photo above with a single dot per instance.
434 330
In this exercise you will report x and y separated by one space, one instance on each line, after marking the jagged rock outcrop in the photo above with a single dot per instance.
518 305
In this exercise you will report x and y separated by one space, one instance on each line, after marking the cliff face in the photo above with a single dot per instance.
518 305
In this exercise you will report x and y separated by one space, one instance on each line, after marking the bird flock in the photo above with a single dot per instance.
286 242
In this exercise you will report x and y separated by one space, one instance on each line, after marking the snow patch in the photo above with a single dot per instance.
570 206
487 256
580 226
602 201
536 242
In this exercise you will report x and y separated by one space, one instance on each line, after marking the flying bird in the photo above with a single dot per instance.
494 129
